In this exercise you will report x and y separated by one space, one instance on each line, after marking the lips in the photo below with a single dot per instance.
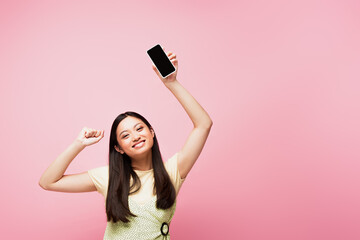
138 143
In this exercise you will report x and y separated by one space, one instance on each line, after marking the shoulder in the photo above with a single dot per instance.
100 178
171 163
102 169
171 166
99 172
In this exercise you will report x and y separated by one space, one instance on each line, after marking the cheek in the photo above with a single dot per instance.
126 143
123 143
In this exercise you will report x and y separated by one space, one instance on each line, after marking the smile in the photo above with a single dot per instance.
139 144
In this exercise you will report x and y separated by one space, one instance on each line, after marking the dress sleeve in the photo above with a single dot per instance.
171 167
100 178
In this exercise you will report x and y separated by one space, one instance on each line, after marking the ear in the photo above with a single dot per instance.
152 132
118 150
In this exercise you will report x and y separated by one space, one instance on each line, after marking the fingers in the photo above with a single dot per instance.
101 135
98 133
90 132
169 54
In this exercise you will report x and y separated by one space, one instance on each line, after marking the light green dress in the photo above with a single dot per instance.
147 225
151 222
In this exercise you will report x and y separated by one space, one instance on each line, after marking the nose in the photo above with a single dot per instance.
136 137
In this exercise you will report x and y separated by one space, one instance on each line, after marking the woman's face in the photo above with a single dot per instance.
134 136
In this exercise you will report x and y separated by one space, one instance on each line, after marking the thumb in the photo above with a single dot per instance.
97 139
154 68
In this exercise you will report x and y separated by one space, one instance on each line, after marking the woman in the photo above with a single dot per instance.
140 190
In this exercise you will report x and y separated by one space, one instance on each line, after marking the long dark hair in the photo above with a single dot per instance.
120 170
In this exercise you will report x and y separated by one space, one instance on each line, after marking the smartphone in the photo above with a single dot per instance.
161 61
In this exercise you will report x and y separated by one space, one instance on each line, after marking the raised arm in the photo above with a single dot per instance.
53 179
202 122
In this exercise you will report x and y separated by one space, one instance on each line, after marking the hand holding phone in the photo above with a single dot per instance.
161 61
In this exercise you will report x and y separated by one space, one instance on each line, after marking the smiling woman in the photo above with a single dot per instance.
140 190
124 159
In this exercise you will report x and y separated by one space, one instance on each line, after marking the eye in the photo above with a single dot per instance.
125 136
140 128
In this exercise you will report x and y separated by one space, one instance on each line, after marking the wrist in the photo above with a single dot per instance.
79 144
169 84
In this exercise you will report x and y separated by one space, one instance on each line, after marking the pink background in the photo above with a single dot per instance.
280 79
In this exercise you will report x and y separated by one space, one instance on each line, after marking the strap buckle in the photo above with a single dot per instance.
164 229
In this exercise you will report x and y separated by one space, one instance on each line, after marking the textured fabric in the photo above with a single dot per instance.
149 220
147 224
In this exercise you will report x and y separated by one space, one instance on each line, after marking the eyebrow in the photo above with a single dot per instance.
126 130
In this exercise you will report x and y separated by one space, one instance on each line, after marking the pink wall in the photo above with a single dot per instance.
280 81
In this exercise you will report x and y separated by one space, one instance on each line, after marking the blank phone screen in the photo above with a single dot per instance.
160 60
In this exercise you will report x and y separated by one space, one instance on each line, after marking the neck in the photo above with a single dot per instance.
142 163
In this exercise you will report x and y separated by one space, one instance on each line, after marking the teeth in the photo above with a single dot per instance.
139 143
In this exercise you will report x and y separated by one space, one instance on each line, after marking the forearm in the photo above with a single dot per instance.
197 114
57 168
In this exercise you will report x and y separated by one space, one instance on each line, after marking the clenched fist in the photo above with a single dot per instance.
89 136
